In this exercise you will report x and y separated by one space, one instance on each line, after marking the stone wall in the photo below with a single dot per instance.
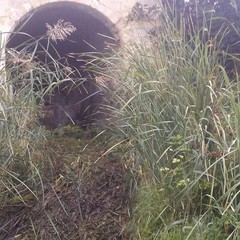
117 11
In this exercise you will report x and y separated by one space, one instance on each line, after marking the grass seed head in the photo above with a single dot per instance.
60 31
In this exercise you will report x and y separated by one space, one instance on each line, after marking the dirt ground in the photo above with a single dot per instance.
83 194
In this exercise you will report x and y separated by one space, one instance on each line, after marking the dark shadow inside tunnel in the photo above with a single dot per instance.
75 100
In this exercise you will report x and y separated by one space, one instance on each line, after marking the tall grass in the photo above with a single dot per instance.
179 112
33 163
23 84
178 106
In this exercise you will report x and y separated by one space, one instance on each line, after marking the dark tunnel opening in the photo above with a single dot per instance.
76 100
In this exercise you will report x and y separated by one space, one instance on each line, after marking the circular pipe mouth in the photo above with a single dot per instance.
64 36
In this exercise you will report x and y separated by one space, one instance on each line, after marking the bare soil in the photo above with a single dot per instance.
83 194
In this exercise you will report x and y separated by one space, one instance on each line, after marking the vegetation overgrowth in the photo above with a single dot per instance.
176 121
179 108
65 183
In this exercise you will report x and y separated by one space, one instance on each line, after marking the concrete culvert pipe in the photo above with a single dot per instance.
88 31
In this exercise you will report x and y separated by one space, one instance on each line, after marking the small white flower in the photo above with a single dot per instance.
176 160
164 169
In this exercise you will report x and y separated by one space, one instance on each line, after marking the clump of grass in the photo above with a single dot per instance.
23 85
54 180
180 110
